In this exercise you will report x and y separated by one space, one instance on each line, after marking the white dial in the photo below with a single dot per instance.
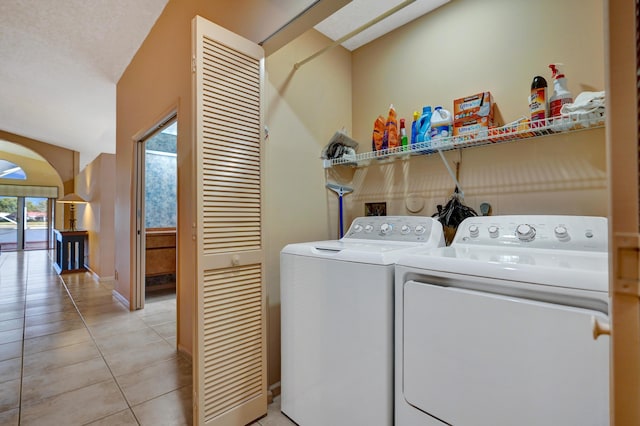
368 228
525 232
561 232
357 228
405 229
474 231
420 230
494 231
386 228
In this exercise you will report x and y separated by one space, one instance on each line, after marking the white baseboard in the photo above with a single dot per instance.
99 278
121 299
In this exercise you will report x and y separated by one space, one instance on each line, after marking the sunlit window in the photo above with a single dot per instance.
9 170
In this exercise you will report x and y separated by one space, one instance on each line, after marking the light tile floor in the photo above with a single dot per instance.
71 354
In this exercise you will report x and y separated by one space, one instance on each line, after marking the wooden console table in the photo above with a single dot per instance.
71 251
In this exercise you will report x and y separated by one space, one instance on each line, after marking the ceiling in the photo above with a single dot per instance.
61 61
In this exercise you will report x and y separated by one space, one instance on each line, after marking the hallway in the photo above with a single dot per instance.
86 359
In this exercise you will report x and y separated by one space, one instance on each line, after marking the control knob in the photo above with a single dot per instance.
494 231
357 228
405 229
368 228
525 232
385 228
561 232
474 231
420 229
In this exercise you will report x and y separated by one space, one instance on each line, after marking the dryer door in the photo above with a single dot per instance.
473 358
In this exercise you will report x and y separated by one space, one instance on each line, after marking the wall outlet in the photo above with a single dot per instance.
375 209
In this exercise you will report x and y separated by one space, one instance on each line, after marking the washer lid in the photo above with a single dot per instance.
353 250
557 268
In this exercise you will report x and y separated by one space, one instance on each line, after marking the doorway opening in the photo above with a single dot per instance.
156 214
25 223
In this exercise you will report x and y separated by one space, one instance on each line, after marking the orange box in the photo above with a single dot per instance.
473 107
474 128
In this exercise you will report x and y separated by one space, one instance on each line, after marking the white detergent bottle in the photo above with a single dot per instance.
441 121
561 94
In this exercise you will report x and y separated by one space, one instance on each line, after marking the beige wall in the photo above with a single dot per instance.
303 110
467 47
95 184
156 82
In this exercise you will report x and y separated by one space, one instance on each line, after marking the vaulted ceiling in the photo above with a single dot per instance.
61 60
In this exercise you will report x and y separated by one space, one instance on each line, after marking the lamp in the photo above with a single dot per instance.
72 199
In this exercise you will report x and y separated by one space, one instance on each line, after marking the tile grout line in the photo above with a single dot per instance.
93 339
24 331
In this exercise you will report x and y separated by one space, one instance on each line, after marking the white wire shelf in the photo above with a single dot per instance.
516 131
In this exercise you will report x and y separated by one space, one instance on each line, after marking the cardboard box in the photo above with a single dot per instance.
473 107
475 128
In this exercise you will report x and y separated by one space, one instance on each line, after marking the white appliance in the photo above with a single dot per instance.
496 330
337 321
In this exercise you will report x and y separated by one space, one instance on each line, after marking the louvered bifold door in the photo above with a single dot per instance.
230 353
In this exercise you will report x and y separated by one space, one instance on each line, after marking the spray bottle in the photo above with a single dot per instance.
561 94
403 136
538 101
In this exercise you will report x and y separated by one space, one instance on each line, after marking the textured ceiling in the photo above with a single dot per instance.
60 62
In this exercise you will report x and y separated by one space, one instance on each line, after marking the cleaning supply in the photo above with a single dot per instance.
414 127
561 94
403 136
473 107
441 122
391 129
378 140
424 130
341 190
538 101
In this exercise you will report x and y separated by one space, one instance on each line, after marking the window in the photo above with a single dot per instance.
9 170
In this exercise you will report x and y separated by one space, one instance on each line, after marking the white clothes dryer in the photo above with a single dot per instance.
496 330
337 321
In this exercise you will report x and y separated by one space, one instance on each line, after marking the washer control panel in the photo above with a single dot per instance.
394 228
535 231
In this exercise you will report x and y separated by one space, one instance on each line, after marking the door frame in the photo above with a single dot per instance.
138 294
622 62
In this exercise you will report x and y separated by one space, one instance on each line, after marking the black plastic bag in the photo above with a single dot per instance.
452 214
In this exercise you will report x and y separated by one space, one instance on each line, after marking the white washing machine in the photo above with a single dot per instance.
496 329
337 321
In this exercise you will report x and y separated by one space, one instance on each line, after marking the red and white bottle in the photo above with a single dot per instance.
561 94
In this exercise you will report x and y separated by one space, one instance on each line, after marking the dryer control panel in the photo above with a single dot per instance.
395 228
583 233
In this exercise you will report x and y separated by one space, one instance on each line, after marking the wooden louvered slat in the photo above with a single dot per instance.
231 386
228 292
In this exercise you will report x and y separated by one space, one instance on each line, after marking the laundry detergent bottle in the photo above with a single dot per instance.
414 127
561 94
441 122
424 130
